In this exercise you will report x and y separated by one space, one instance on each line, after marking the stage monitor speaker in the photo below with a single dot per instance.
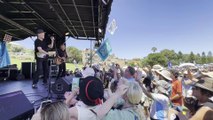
15 106
27 69
61 86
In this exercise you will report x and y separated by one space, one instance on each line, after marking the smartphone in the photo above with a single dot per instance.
75 83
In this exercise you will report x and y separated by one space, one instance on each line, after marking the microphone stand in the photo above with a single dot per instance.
49 95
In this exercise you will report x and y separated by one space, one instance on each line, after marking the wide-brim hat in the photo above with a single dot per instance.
96 66
157 67
208 74
165 73
91 90
205 83
163 86
162 90
88 72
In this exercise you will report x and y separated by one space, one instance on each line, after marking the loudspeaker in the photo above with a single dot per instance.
13 74
15 106
27 69
61 86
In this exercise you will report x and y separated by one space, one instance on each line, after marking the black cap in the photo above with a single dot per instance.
40 31
91 90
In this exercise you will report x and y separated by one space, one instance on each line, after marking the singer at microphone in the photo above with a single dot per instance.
41 56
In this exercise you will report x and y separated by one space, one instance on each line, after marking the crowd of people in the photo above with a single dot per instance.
131 93
136 93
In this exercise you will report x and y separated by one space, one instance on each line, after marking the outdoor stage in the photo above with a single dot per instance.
35 96
18 100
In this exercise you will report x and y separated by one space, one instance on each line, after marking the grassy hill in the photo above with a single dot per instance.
19 54
69 66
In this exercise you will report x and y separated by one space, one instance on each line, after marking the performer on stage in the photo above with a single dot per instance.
41 56
61 58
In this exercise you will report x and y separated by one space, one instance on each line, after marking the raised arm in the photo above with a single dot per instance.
52 42
106 106
148 94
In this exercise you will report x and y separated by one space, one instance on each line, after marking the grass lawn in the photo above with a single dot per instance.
72 67
69 66
18 62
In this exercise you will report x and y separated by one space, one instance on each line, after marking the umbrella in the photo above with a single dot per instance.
187 65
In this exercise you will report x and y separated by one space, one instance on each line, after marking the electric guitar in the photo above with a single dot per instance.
42 55
59 60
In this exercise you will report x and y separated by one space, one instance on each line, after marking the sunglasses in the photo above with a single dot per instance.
190 100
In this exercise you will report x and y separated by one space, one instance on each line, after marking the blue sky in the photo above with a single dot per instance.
182 25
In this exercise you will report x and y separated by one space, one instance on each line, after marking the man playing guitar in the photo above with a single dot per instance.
41 56
61 59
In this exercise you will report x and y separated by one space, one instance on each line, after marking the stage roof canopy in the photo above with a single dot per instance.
80 19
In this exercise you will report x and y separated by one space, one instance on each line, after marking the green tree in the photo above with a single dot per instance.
170 55
154 49
203 58
9 46
17 49
180 56
198 59
144 62
191 57
209 57
135 62
74 54
156 58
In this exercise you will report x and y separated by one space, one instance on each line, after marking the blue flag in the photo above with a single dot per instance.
169 65
4 56
104 50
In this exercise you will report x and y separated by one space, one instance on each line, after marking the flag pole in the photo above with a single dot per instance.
91 56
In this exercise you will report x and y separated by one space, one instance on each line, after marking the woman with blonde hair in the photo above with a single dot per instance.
52 111
55 111
131 92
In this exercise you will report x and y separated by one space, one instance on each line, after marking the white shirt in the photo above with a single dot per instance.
84 112
160 107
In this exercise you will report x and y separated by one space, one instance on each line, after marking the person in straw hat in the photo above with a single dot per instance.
157 67
154 70
203 91
164 75
159 108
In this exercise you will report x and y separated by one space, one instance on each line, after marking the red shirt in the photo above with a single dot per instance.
177 89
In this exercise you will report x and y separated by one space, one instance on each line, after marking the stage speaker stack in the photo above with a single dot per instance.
15 106
28 69
61 86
